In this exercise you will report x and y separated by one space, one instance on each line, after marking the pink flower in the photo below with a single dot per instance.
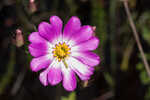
63 54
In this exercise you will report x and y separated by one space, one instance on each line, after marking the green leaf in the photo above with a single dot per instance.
72 96
144 78
139 66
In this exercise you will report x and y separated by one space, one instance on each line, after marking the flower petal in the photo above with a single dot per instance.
69 79
83 34
88 58
82 70
72 26
43 78
38 49
40 62
57 23
54 74
90 44
47 31
34 37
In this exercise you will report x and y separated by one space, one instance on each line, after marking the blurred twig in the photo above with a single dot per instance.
105 96
18 82
125 2
5 81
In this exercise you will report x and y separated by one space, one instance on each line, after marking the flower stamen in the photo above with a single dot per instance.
61 51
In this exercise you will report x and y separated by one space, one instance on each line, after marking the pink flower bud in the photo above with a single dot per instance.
31 1
32 6
19 38
94 28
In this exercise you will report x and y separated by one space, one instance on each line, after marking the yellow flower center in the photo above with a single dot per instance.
61 51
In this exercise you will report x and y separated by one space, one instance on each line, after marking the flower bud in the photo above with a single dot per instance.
19 38
32 6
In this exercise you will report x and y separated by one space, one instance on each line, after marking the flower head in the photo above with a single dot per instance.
63 54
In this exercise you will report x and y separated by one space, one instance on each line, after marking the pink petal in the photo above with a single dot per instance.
47 31
40 62
34 37
51 74
71 27
57 23
69 79
90 44
38 49
88 58
83 34
54 74
43 78
82 70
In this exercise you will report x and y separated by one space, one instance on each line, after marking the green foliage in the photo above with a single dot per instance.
143 24
144 77
146 34
147 96
109 79
99 19
72 96
143 74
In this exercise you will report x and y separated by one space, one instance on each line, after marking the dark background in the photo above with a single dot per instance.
121 74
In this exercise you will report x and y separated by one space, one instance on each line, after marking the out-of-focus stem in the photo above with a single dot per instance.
18 82
10 71
127 55
112 18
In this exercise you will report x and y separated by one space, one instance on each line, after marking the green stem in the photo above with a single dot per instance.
65 63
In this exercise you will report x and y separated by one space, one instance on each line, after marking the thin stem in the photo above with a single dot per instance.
65 63
125 2
105 96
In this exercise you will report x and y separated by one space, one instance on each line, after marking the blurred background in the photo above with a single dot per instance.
121 74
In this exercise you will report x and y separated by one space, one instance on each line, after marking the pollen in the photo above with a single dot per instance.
61 51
